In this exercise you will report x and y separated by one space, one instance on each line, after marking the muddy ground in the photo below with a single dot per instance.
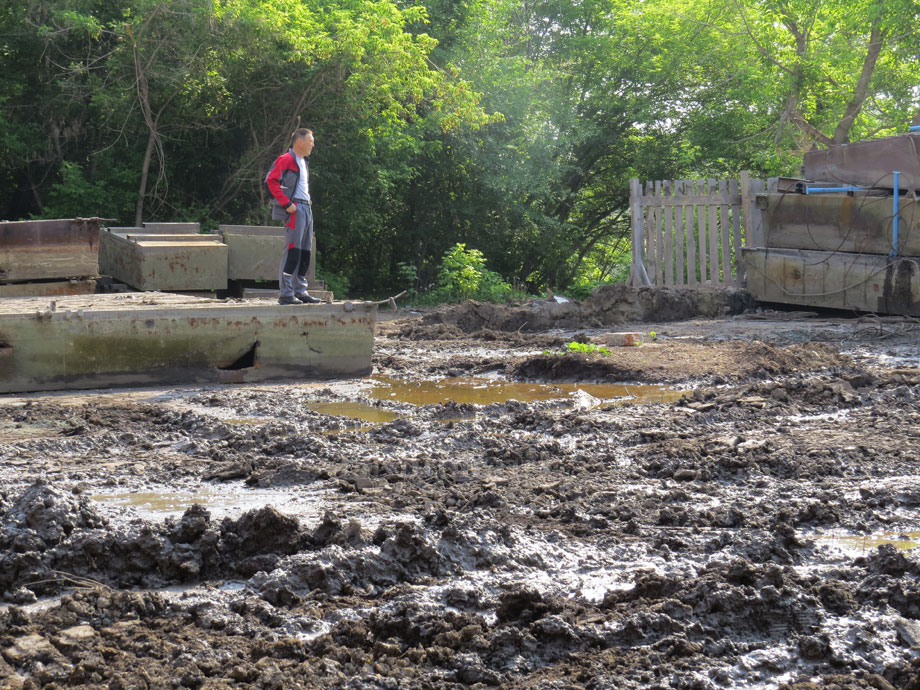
755 533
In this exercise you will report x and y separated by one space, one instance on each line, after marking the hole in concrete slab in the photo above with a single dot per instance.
245 361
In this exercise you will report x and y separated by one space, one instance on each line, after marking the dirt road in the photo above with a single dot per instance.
730 505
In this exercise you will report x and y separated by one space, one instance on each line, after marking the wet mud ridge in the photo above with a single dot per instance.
756 531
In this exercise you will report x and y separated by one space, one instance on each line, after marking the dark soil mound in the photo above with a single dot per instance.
618 303
574 367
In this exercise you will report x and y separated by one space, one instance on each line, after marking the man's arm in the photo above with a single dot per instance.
273 180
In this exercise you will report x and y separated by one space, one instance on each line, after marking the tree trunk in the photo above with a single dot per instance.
145 170
855 104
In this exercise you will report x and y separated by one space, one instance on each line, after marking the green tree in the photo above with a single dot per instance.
771 79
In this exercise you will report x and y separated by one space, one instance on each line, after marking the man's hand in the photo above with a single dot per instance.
291 208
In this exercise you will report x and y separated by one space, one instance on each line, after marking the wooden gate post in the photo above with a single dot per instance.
638 276
753 218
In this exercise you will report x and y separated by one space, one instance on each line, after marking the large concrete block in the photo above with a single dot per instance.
135 339
255 252
148 261
869 163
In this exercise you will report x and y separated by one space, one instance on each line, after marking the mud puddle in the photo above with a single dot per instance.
858 544
220 501
479 391
488 391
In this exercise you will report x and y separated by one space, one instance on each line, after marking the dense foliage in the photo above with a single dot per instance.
508 128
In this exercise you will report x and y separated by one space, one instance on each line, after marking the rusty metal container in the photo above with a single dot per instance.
868 163
836 280
856 223
32 250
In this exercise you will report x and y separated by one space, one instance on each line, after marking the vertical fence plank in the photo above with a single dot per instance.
651 230
637 273
725 227
680 278
659 234
668 191
649 235
738 278
754 235
690 237
703 187
713 236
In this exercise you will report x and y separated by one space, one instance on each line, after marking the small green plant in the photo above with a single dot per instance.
463 275
575 346
408 275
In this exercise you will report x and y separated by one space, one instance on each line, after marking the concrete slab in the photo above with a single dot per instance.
135 339
150 261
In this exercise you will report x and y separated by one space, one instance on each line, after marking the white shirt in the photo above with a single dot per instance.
303 184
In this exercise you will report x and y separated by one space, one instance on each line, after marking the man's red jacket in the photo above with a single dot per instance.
282 181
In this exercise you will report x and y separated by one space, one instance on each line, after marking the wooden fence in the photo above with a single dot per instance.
689 233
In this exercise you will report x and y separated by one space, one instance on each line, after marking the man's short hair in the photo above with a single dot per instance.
298 134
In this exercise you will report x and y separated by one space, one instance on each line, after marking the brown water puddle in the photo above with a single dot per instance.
221 500
852 542
160 502
480 391
355 410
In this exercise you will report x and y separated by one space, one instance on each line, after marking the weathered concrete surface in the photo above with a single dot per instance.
837 222
173 228
255 252
48 249
149 261
141 339
837 280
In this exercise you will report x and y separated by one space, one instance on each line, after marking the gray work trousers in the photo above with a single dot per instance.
295 260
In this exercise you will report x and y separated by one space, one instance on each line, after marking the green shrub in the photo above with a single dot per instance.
338 284
463 275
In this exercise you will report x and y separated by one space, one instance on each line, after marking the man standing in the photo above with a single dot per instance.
289 183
